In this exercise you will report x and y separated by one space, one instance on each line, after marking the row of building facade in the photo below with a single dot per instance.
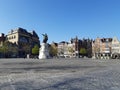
100 48
74 47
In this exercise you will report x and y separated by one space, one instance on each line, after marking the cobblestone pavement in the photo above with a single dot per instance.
59 74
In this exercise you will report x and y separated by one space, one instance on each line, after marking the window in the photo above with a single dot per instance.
107 40
107 45
114 40
23 39
14 36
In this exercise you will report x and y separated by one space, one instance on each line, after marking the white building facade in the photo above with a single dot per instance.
115 49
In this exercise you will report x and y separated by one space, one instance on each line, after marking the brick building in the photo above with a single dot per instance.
101 48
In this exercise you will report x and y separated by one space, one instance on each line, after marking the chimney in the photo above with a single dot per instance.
1 35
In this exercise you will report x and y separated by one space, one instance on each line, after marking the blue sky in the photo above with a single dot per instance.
62 19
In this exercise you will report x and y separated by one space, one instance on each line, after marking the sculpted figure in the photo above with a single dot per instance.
45 38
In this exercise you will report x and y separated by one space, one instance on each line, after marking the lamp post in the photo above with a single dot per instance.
76 47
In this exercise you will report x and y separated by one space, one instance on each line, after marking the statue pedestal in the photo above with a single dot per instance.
44 51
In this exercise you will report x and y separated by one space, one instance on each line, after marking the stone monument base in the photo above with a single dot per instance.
44 51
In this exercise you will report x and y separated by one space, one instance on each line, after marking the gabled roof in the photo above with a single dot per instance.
34 34
115 39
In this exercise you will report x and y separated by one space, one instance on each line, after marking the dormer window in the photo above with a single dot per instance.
107 40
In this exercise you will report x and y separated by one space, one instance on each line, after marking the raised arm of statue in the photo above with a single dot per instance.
43 34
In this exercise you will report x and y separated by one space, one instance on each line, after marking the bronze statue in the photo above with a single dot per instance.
45 38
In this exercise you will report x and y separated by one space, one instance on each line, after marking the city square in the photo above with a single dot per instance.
59 44
59 74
